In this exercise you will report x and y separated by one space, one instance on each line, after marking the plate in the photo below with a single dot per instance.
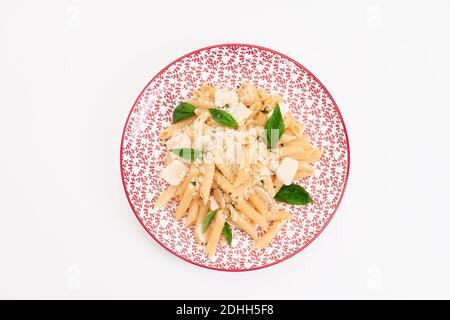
142 152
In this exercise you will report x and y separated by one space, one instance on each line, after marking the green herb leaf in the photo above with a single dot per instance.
223 118
183 111
207 220
274 128
188 154
293 194
227 233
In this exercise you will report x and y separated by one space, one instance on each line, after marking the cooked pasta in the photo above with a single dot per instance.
233 156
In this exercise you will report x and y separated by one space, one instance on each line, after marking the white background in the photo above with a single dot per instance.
71 70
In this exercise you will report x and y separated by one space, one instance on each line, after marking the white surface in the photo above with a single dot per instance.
70 72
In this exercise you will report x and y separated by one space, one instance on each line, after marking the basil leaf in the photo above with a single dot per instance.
207 220
223 118
274 128
293 194
188 154
183 111
227 233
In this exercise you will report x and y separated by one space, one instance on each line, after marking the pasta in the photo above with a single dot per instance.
184 203
165 196
200 236
252 214
193 211
280 215
241 177
270 235
241 222
168 132
215 233
259 204
207 182
277 184
226 171
224 168
184 185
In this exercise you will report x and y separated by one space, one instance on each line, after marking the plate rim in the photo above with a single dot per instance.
298 65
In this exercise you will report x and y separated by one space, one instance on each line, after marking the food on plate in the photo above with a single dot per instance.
233 161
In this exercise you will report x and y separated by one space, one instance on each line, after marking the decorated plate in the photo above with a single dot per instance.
142 153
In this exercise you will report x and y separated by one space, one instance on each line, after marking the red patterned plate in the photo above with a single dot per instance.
142 152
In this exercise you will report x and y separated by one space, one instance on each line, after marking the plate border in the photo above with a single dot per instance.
298 65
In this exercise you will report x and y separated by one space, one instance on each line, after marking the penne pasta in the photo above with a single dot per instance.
192 212
216 231
286 138
244 224
219 197
208 177
259 204
269 102
202 210
280 215
298 142
263 194
304 170
226 186
260 119
252 214
306 137
269 186
167 133
205 92
255 109
277 184
248 94
201 103
184 203
263 94
200 236
293 125
185 183
270 235
315 156
297 129
288 132
169 158
165 196
241 177
288 151
303 155
226 171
